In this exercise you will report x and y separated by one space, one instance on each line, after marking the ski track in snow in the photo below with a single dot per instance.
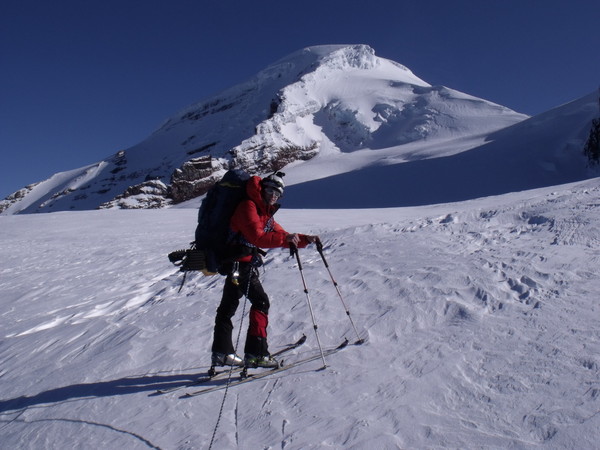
481 322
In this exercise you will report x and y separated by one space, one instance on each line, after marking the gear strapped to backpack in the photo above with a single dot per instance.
190 259
213 246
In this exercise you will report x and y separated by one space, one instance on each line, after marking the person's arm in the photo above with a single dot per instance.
247 221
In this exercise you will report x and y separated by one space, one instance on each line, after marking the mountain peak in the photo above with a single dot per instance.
355 55
323 101
341 56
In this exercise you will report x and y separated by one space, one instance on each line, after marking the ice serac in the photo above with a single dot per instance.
331 99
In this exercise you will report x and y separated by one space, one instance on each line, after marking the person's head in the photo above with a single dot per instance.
272 187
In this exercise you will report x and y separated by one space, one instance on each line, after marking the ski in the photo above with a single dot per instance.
220 374
266 373
201 380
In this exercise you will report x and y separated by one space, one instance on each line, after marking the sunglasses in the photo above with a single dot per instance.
273 192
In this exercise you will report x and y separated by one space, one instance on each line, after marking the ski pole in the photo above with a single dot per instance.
237 342
294 251
320 250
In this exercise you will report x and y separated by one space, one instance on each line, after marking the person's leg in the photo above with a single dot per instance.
222 342
256 339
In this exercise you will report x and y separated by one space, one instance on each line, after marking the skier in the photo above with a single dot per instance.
252 225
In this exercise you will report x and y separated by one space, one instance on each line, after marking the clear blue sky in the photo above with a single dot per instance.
80 80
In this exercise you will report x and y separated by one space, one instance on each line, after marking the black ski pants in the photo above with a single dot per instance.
247 283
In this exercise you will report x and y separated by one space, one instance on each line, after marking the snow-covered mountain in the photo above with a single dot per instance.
544 150
325 101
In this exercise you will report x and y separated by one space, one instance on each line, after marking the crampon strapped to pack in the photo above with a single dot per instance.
190 259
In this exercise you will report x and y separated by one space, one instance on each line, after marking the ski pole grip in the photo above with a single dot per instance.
320 250
319 245
294 251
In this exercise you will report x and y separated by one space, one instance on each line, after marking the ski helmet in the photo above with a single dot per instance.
275 181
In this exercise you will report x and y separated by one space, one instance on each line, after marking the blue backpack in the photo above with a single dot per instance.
213 235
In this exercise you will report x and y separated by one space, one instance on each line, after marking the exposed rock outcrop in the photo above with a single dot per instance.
195 177
150 194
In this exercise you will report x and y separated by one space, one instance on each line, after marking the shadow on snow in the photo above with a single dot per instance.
123 386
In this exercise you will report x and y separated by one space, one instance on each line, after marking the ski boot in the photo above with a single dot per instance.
221 359
253 362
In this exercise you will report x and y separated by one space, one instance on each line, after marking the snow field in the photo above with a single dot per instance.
481 322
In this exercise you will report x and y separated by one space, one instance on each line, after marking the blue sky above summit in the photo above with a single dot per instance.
82 80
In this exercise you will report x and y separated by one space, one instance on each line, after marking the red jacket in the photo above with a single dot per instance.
253 218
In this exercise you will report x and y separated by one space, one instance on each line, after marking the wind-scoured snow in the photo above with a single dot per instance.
481 320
